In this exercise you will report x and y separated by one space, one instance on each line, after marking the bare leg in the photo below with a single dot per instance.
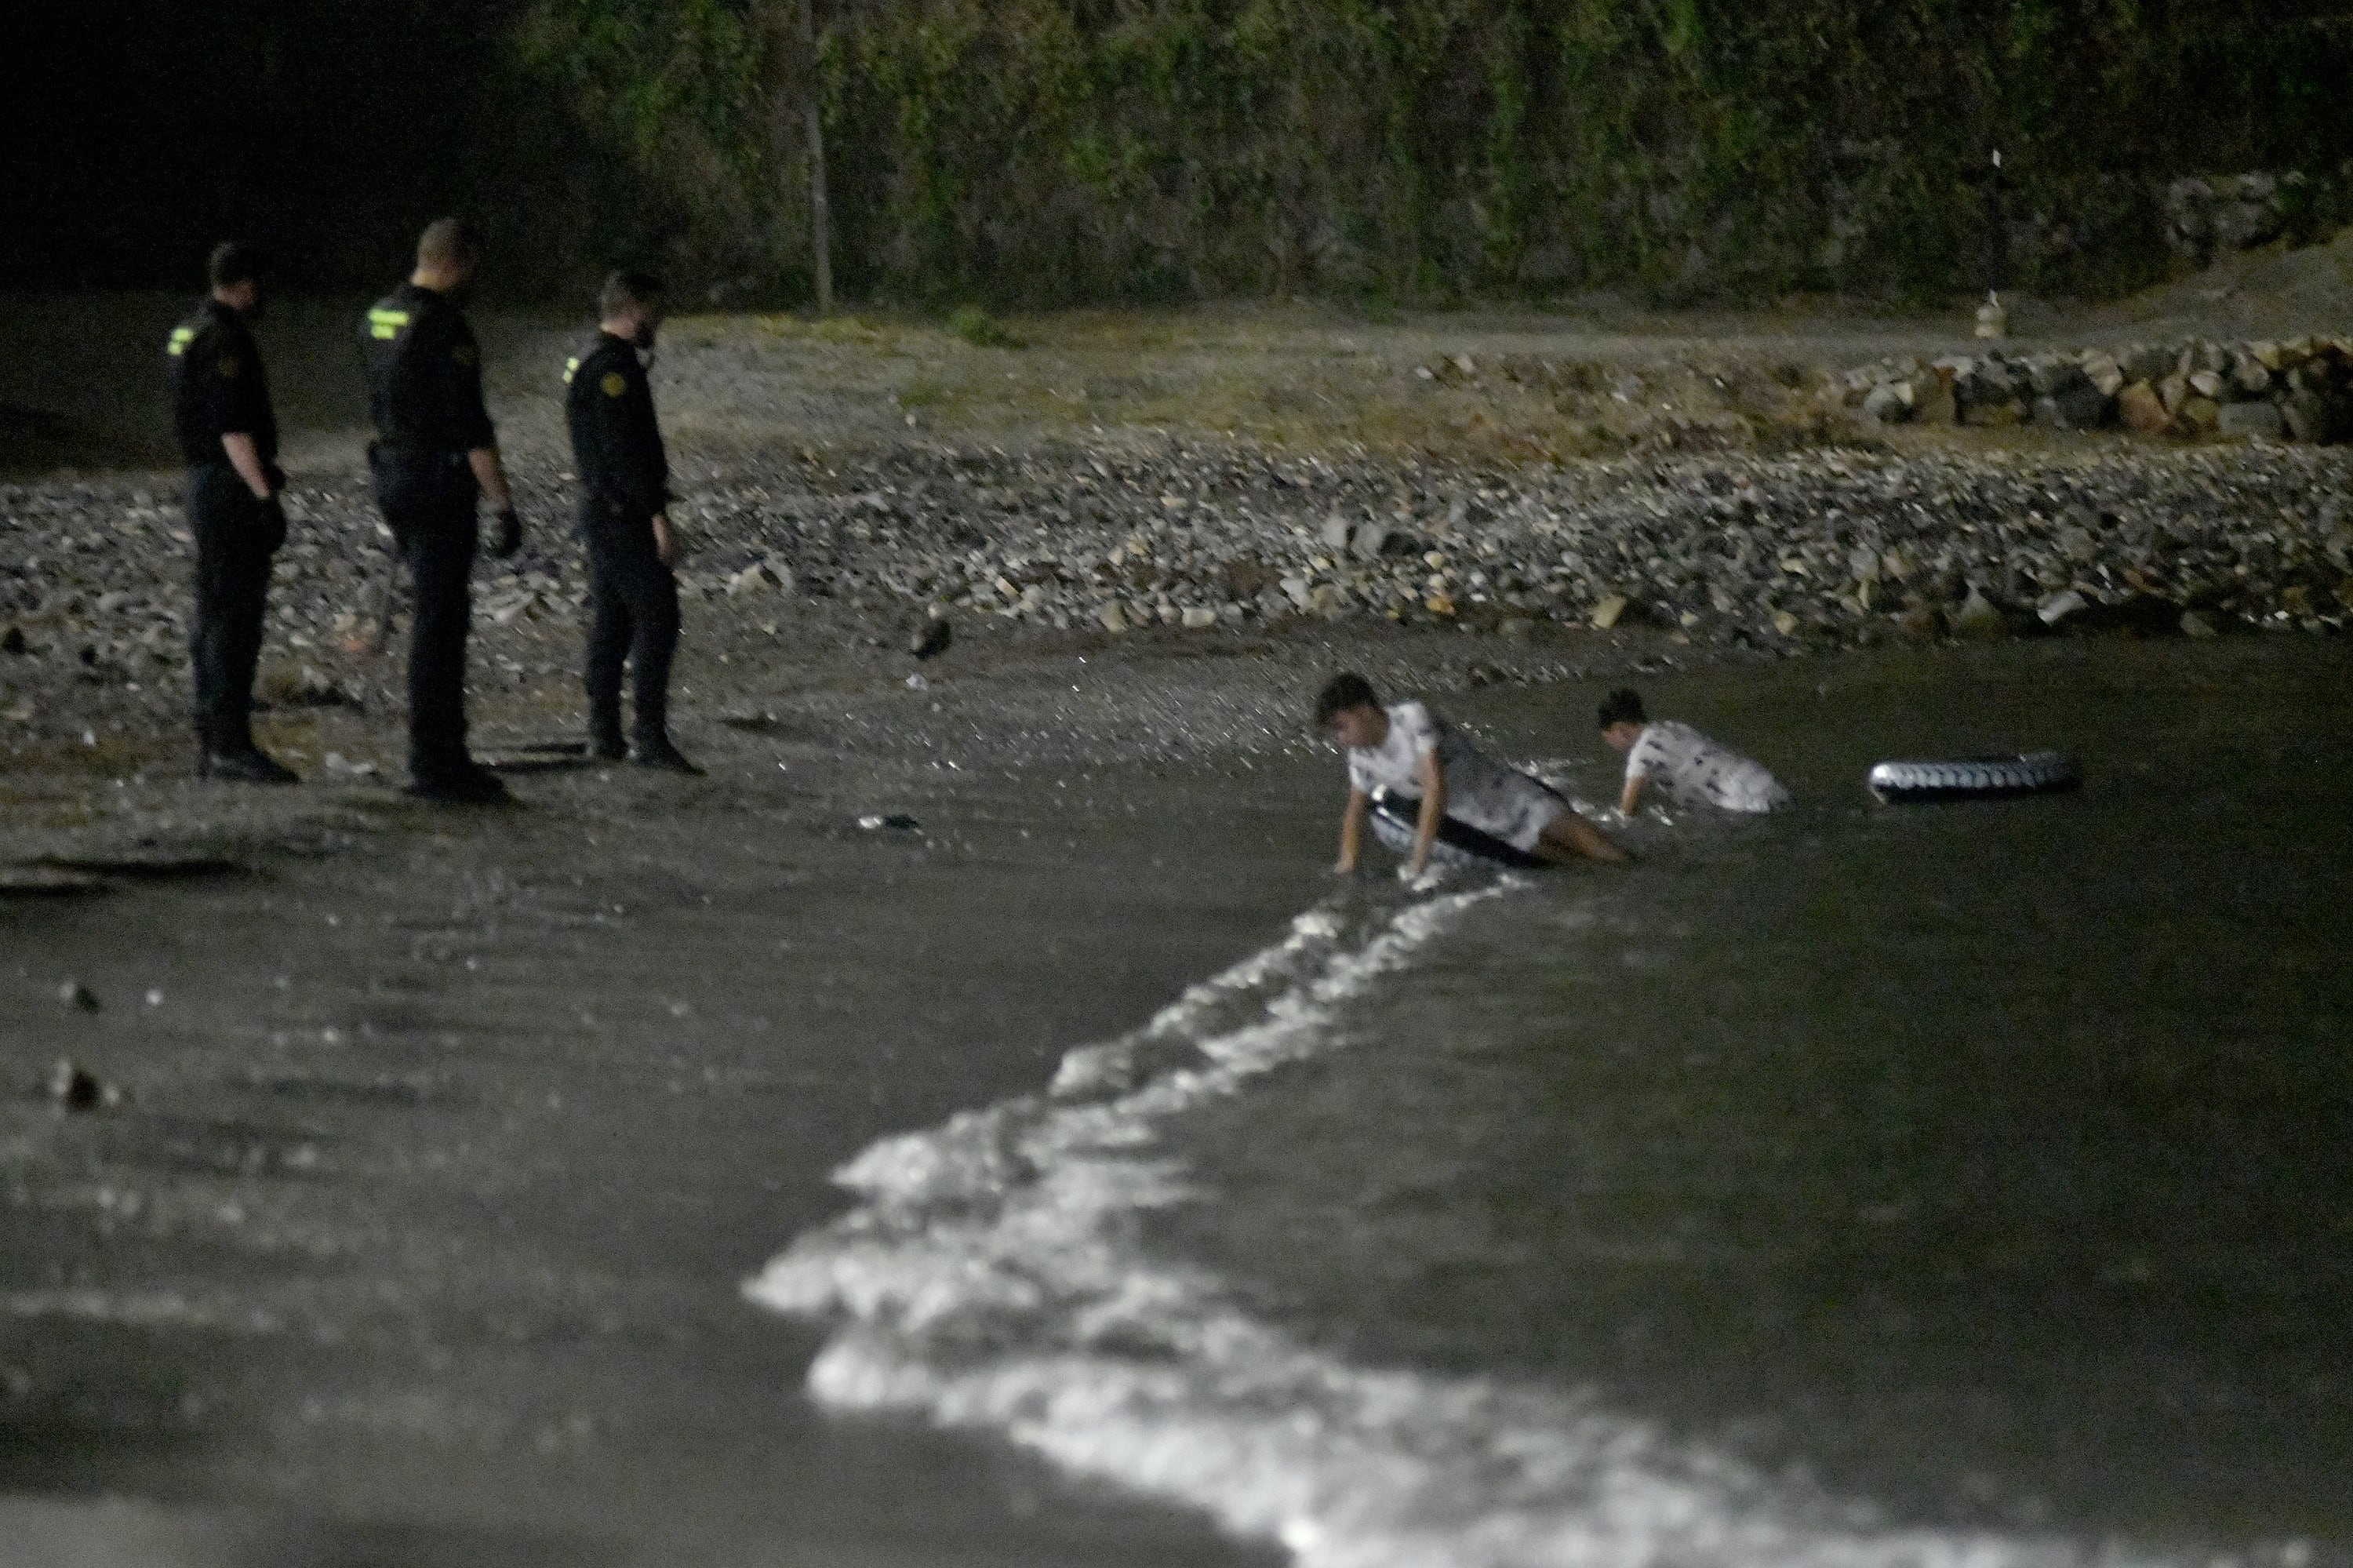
1570 837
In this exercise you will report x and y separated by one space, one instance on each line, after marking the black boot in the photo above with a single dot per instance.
605 740
225 750
463 782
658 752
250 766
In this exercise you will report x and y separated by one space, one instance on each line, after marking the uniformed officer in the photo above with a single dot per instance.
435 455
228 433
624 518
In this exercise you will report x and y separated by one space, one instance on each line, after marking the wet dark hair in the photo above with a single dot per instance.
233 262
626 287
1623 705
1342 693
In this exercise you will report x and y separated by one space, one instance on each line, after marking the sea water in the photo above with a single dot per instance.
1862 1185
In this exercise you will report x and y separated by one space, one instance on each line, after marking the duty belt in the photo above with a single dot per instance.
416 457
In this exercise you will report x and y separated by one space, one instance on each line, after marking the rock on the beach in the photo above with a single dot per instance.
1922 623
1112 617
2257 421
2193 624
1890 404
2062 608
1978 618
931 636
1198 618
2075 404
2140 408
71 1086
1609 612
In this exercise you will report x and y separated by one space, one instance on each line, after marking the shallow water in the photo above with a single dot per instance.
1865 1185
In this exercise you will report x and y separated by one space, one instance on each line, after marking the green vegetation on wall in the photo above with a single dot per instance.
1032 151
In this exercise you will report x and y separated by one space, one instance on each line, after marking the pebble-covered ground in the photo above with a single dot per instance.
800 543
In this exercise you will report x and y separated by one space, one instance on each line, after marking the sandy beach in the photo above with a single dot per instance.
447 1140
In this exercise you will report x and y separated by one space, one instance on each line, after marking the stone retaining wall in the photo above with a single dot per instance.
2299 390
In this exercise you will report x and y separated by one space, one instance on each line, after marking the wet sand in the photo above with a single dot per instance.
450 1137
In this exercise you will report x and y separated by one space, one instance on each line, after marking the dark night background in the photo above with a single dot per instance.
140 131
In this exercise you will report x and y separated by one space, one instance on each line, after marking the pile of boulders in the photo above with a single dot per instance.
2299 390
2206 217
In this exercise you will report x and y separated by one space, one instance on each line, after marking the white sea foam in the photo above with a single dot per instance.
989 1277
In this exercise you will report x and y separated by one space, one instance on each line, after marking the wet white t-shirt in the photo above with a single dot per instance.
1480 790
1690 769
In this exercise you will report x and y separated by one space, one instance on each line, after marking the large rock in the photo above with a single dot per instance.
1978 618
2075 403
1890 403
2311 417
2062 608
2255 421
2139 408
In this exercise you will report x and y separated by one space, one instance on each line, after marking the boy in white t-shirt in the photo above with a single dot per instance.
1682 764
1405 748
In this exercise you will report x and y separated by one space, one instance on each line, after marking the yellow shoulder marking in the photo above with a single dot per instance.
613 384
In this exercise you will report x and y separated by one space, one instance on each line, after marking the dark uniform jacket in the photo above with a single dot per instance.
616 444
217 387
425 376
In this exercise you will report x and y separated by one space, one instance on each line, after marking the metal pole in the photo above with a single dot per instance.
820 209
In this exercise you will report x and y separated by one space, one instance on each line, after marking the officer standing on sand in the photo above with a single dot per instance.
228 433
624 518
433 456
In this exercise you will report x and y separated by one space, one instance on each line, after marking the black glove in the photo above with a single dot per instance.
510 538
273 522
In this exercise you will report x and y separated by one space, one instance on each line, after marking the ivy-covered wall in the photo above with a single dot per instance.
1061 149
1034 151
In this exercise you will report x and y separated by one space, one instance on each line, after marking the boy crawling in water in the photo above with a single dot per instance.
1683 765
1408 751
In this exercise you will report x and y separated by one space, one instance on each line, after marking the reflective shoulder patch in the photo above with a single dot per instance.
613 383
386 324
571 368
181 338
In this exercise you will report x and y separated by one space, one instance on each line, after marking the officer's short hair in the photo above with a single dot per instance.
625 288
233 262
448 242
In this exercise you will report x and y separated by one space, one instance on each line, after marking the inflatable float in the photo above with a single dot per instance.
1394 817
1976 779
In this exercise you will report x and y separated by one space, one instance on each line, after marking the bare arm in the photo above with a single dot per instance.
665 542
1352 832
1433 812
245 458
491 475
1631 797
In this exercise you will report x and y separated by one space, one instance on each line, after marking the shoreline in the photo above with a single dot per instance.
453 1135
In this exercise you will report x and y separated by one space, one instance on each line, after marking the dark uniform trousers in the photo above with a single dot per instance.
428 500
232 584
635 602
